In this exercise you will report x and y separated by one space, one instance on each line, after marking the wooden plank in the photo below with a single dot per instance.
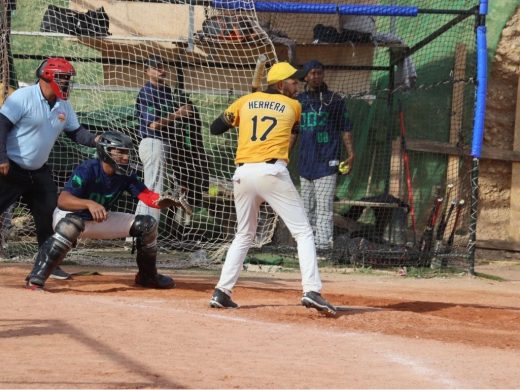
359 54
457 110
145 19
347 53
503 245
514 216
346 202
488 152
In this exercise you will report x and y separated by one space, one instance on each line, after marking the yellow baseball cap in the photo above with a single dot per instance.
283 71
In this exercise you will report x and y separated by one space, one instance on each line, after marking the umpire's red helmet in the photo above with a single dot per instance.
58 72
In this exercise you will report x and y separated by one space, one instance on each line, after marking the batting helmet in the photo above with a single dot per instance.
58 72
115 140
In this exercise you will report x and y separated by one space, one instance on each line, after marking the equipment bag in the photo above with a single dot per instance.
67 21
228 28
329 34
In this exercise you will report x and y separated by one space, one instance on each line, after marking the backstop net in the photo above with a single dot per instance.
403 72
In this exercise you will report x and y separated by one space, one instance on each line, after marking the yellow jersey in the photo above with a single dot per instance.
265 122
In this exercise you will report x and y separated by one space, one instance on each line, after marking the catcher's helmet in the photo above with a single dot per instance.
115 140
58 72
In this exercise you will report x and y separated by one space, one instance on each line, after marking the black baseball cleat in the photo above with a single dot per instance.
220 300
60 274
314 300
33 286
155 281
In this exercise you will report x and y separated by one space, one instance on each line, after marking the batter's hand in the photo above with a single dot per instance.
98 212
4 168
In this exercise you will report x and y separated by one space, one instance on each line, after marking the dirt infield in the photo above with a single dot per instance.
103 332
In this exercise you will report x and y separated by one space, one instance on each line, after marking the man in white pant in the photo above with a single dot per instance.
158 108
268 122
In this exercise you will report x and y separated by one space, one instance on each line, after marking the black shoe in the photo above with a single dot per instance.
220 300
33 286
60 274
156 281
314 300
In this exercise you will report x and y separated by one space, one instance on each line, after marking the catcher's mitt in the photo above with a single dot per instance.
174 199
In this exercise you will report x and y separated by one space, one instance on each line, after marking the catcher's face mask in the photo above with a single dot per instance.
120 156
115 149
120 160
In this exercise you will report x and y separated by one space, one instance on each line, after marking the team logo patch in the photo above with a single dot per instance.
77 182
61 117
229 117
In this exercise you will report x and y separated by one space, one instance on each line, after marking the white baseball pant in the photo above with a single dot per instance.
254 184
117 225
152 153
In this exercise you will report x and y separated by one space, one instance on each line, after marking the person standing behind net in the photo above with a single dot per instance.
157 108
31 119
324 127
266 124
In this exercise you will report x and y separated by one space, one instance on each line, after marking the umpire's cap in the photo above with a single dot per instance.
283 71
155 61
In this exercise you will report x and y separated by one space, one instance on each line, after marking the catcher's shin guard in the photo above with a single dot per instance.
54 250
144 229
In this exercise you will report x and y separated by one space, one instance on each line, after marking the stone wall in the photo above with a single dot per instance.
495 176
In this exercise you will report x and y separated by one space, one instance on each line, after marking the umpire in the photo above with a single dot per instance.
31 120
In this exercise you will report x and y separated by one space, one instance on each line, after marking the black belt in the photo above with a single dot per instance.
17 167
271 161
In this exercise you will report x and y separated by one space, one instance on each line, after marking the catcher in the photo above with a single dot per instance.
95 186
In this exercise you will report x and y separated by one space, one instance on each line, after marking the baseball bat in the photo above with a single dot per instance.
444 221
440 235
458 212
451 238
444 217
406 163
425 244
258 73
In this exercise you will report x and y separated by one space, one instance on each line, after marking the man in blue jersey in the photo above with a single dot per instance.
84 211
31 119
324 127
170 128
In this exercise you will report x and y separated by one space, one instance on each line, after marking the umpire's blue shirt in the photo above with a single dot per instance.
36 126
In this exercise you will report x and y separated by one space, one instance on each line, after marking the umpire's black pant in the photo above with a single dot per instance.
37 189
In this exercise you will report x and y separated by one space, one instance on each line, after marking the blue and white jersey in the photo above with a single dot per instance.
89 181
36 126
324 118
